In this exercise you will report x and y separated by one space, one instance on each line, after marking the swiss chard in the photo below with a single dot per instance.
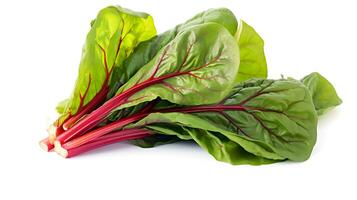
252 58
201 60
272 119
251 46
197 81
147 50
258 122
113 36
324 97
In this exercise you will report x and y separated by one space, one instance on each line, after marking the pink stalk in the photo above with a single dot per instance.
111 138
98 115
92 104
92 135
46 145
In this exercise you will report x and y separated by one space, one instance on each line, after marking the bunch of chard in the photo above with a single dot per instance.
204 80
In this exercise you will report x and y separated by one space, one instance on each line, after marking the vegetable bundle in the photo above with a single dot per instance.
204 80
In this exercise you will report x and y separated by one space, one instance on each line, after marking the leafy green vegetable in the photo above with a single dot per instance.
114 34
179 86
323 94
223 149
199 61
253 64
215 143
251 46
322 91
270 119
252 58
146 51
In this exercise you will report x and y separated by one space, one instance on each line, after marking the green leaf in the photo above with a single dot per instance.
200 61
222 16
223 149
113 35
252 58
251 45
253 64
274 119
146 51
322 91
155 140
219 146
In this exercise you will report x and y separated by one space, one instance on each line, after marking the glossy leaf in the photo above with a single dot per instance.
322 91
146 51
252 58
253 64
271 119
200 61
218 145
113 36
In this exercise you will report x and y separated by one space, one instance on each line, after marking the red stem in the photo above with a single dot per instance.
209 108
90 136
111 127
46 145
99 97
97 100
53 132
99 114
103 141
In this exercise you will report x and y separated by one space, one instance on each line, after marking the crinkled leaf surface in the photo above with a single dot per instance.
274 119
252 58
224 149
253 63
218 145
322 91
200 61
113 36
146 51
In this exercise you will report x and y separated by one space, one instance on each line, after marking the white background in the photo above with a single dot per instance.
40 48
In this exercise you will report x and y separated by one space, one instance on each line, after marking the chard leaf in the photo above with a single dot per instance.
147 50
113 35
223 149
253 64
274 119
215 143
252 58
322 91
155 140
200 61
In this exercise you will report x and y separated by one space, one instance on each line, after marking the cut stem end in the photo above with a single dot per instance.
60 150
46 145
